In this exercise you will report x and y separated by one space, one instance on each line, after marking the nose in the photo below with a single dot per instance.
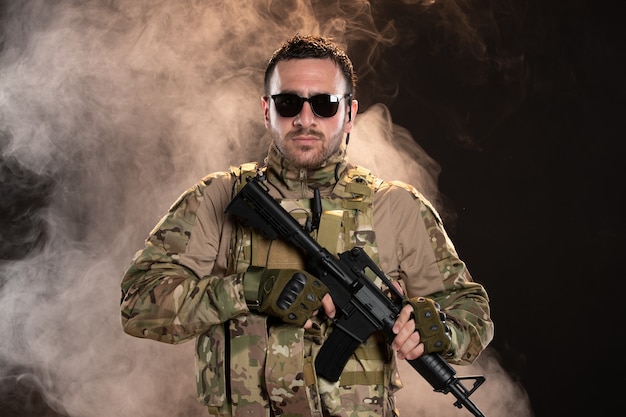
306 117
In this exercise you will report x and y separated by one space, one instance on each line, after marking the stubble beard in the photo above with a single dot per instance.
305 156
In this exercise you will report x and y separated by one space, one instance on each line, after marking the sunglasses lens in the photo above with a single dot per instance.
288 105
323 105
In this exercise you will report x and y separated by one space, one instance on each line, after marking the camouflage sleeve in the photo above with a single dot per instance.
164 299
464 301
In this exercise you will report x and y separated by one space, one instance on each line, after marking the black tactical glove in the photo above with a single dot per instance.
289 294
430 322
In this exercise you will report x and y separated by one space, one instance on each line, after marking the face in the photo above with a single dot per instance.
308 140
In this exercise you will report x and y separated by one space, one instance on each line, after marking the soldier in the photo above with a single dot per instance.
203 275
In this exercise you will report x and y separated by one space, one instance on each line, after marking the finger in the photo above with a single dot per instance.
403 318
413 353
308 324
398 286
406 338
329 306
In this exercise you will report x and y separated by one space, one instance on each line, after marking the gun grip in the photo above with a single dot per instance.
333 355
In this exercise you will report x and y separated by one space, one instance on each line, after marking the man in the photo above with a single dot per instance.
204 275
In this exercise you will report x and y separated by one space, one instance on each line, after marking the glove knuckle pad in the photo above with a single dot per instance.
293 296
430 322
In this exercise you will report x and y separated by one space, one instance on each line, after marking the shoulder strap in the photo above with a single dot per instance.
360 184
246 170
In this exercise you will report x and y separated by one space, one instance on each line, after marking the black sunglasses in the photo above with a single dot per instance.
323 105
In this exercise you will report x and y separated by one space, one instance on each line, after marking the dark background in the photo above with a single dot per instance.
533 167
526 123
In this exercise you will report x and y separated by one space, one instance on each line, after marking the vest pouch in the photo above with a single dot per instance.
290 374
240 373
367 375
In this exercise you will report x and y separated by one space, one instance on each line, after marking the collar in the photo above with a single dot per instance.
297 179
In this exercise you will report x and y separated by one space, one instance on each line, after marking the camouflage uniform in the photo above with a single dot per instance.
187 283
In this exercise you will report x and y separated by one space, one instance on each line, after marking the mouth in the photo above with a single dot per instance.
305 137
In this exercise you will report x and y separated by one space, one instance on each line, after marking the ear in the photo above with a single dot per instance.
265 104
354 107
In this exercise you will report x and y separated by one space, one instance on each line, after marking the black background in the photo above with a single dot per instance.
536 179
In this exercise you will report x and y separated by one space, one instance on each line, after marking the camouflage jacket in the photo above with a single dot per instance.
186 284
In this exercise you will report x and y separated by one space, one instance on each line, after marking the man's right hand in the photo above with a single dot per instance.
291 295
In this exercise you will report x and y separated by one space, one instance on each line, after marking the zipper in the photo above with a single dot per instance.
303 183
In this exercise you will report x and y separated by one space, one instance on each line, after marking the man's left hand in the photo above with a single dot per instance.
407 342
428 334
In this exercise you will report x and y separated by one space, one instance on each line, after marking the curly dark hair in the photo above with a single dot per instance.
310 46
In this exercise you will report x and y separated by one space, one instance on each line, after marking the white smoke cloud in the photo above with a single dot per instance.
121 106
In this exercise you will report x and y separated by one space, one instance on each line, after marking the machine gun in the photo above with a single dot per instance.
362 307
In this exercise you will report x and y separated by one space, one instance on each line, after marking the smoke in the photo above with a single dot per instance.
108 111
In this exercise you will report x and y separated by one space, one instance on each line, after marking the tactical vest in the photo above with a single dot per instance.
261 364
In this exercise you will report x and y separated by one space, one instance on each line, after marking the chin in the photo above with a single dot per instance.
306 160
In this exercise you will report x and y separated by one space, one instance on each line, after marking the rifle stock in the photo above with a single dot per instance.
362 307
